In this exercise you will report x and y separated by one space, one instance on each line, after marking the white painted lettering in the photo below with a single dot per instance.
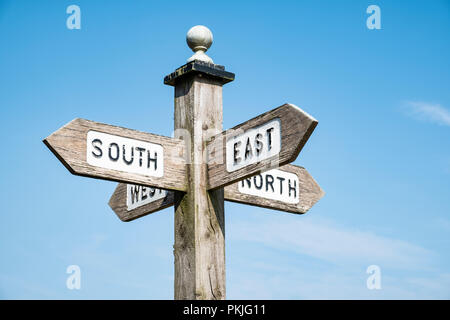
138 196
124 154
254 145
273 184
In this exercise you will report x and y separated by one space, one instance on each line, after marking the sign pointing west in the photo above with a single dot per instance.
97 150
268 141
289 188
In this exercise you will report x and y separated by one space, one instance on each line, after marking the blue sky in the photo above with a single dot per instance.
381 150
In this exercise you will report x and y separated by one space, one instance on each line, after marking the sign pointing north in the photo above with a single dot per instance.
268 141
273 184
290 188
102 151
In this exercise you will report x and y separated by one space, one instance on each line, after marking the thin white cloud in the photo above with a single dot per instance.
442 223
429 112
340 256
24 288
305 282
325 240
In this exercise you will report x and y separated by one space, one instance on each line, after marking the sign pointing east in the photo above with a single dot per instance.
268 141
289 188
102 151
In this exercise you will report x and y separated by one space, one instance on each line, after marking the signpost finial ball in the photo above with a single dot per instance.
199 39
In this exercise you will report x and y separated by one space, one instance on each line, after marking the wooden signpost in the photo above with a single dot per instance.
198 169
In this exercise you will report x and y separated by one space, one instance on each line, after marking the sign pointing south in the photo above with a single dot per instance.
289 188
102 151
268 141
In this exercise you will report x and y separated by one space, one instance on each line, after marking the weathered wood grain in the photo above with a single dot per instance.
69 146
310 193
199 247
296 128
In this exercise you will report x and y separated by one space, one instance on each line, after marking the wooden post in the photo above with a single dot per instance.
199 248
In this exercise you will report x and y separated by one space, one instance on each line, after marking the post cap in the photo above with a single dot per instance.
199 39
199 67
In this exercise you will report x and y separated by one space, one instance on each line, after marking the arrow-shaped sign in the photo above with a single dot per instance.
130 201
108 152
290 188
268 141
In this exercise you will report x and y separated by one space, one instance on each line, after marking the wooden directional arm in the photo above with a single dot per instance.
118 204
69 144
310 193
296 127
